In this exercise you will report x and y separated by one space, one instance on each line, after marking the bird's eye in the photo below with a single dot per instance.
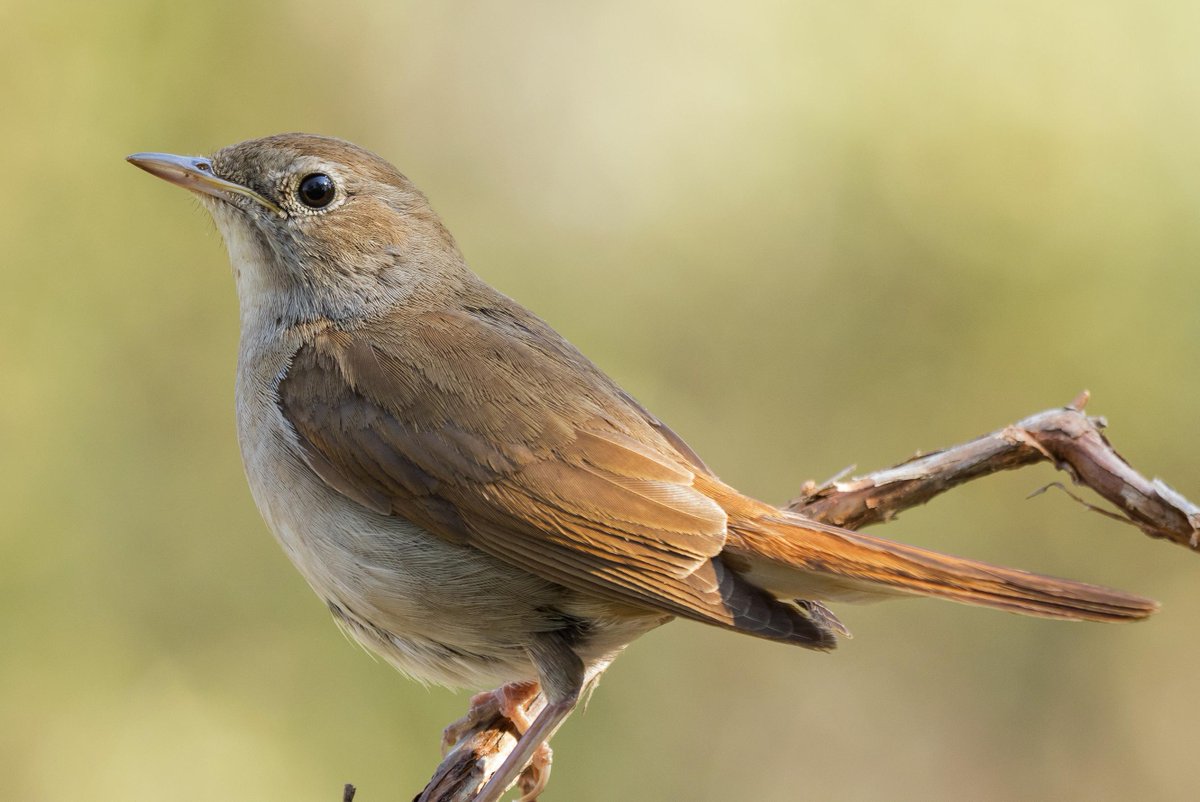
316 190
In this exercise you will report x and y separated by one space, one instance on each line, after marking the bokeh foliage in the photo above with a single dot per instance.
806 234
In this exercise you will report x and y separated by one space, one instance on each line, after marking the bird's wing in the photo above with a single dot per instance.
486 428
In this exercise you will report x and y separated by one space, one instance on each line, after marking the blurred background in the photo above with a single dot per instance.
806 234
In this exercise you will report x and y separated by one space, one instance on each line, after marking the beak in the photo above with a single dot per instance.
196 173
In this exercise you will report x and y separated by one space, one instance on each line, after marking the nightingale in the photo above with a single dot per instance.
473 498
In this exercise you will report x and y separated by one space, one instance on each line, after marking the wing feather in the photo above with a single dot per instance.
490 430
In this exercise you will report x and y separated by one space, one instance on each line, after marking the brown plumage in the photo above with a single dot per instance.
471 496
544 462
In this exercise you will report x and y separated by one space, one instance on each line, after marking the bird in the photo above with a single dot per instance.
472 497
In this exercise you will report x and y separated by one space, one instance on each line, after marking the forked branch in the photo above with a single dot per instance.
1072 441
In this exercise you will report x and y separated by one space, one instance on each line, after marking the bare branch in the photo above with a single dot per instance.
476 756
1066 437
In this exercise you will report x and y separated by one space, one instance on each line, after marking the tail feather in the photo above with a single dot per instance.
793 557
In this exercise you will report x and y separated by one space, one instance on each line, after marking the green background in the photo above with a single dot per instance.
806 234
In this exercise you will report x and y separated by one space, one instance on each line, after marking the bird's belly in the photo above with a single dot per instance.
441 613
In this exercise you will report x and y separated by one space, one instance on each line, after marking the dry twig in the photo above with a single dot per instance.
1066 437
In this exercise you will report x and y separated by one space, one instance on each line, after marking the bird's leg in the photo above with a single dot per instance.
512 701
562 678
530 759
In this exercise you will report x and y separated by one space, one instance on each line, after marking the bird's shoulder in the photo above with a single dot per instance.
485 366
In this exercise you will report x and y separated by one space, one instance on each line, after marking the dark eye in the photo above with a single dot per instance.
316 190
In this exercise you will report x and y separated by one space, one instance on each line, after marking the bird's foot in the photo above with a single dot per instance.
535 776
506 702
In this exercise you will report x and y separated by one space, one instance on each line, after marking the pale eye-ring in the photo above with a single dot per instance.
316 191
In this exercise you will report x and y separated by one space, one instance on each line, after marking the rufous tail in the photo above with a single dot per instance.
793 557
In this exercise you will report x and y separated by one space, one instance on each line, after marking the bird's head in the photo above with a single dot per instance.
316 227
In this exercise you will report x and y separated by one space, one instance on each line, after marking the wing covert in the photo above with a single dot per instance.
558 487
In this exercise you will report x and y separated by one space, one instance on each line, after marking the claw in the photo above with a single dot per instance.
535 776
511 700
507 701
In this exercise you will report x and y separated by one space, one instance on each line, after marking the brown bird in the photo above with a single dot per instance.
471 496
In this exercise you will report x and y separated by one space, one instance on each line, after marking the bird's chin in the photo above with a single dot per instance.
260 284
